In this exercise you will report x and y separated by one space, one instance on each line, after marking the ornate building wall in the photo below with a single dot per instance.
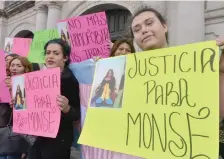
188 21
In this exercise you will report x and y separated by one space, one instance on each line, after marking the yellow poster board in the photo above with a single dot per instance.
168 108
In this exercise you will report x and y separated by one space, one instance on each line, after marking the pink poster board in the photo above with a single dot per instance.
4 91
87 35
21 46
35 111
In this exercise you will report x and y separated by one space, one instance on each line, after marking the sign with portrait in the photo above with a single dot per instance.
165 105
35 111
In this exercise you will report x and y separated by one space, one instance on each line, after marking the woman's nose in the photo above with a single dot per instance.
144 29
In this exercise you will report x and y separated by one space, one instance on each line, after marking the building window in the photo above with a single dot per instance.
118 23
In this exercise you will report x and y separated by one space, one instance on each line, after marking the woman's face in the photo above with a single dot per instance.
123 49
8 59
16 67
148 31
109 74
54 56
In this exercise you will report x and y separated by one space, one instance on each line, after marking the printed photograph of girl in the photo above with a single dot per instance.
18 91
63 31
8 45
109 83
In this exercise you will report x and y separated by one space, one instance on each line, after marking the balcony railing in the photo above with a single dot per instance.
13 7
11 3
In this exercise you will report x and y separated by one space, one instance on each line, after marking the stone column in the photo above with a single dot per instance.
2 5
3 24
186 22
3 30
41 17
54 14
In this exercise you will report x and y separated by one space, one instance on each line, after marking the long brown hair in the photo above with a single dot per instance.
118 43
25 62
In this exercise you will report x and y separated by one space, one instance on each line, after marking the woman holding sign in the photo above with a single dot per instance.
58 55
16 66
150 32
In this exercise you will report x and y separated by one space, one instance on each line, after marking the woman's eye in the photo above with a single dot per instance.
136 30
56 53
120 49
149 22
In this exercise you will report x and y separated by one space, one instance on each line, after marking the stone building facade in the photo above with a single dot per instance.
188 21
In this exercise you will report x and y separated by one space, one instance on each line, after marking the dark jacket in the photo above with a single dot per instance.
59 148
5 113
69 89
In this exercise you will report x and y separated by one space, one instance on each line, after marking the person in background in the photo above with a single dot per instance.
58 55
35 66
122 47
150 31
8 58
17 65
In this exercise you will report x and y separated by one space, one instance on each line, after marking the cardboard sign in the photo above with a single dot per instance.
167 106
84 72
4 91
19 46
88 36
36 54
35 110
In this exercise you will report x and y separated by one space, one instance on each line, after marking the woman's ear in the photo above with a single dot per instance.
165 28
65 59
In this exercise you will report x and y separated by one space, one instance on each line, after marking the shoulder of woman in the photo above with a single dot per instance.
68 75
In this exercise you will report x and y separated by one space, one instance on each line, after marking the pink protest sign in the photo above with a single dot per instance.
4 91
35 111
87 35
21 46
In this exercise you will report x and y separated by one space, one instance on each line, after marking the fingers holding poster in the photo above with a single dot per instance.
108 84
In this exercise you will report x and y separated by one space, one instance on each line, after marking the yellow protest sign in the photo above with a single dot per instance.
165 106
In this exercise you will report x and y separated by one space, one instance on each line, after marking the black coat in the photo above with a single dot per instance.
59 148
5 113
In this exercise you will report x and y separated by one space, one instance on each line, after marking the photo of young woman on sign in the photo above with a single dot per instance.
108 83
